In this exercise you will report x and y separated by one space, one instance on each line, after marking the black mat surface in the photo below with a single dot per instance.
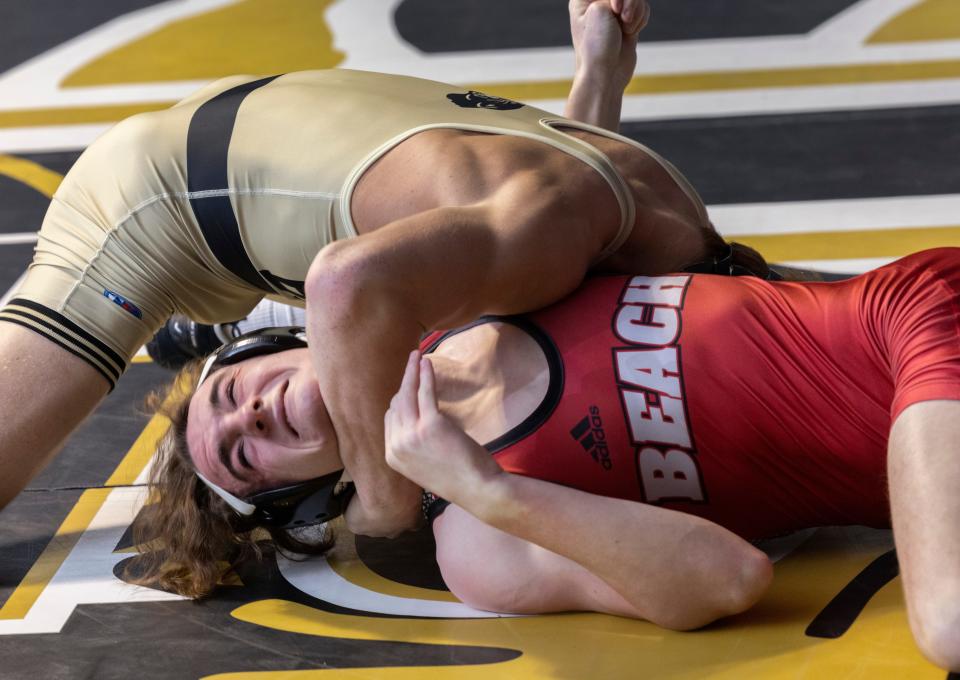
31 28
21 207
476 25
796 157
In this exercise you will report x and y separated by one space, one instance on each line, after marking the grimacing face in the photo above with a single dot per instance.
260 424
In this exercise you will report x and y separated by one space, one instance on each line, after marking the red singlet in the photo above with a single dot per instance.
764 407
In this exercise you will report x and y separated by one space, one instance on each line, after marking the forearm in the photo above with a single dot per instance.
676 570
604 37
358 349
370 298
386 503
595 99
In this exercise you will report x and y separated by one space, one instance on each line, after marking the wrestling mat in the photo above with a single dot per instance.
823 133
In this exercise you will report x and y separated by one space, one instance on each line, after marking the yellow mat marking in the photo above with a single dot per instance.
840 245
351 568
32 174
529 91
46 566
145 446
140 453
929 20
262 37
767 642
80 115
69 532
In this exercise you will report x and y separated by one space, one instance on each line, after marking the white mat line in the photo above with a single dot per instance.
13 289
853 214
779 101
641 107
18 239
50 138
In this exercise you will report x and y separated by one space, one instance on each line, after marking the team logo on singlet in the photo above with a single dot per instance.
478 100
589 432
650 381
123 302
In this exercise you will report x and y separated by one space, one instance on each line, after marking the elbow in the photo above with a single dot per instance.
725 589
336 273
751 578
343 284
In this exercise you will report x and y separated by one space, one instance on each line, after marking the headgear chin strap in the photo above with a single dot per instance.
296 505
241 506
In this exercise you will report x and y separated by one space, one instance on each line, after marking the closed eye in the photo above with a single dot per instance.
231 397
242 457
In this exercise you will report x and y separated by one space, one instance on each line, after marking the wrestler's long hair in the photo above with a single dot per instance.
746 259
185 533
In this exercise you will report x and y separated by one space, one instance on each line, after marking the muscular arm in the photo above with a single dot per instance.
604 36
638 561
560 548
924 476
47 392
369 300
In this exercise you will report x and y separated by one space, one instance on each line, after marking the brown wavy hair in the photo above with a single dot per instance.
188 535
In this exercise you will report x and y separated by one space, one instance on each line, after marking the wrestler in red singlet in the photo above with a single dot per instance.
762 406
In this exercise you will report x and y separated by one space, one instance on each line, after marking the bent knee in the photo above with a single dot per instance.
940 641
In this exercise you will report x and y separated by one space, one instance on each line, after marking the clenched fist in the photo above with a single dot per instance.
605 34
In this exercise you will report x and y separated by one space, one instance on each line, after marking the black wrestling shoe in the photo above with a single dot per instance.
181 340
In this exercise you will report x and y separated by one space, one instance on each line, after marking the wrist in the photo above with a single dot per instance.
595 101
493 500
595 78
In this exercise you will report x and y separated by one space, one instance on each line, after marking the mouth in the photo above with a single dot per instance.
282 407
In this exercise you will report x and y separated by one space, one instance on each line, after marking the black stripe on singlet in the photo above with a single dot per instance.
208 143
57 328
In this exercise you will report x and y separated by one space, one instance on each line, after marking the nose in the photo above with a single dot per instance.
251 417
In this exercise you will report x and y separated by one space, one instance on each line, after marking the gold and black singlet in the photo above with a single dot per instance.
206 207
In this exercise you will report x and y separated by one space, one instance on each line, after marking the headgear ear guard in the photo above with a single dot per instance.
311 502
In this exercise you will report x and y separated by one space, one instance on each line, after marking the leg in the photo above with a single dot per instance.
46 393
924 471
181 339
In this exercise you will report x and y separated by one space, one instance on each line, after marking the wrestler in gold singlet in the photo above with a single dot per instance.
206 207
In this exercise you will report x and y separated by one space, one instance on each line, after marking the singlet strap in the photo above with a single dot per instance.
600 162
433 505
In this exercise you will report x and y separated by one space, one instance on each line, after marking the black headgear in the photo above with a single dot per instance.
724 265
301 504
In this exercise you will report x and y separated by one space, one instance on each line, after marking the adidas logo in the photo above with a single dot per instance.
589 432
